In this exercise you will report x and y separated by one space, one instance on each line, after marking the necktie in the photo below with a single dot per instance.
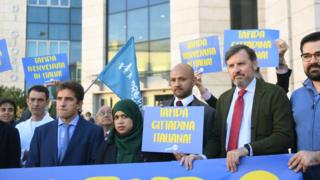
179 103
236 121
64 141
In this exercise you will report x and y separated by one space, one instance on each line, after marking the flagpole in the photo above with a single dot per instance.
91 85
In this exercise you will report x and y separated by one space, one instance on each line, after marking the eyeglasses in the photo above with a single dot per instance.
104 113
307 56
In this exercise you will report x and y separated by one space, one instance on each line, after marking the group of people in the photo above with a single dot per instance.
252 118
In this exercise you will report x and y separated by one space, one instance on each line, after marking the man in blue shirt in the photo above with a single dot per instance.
306 111
68 140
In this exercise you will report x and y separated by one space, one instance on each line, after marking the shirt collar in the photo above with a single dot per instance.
185 101
250 88
309 85
74 121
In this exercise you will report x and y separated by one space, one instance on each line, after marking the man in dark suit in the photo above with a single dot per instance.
283 75
182 81
9 146
254 117
69 140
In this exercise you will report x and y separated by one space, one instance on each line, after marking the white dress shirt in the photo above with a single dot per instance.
184 101
245 129
26 130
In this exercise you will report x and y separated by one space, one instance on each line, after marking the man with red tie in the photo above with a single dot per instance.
252 118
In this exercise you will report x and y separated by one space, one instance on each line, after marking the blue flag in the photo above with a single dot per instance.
121 74
4 56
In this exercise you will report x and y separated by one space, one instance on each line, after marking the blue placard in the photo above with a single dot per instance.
44 69
202 54
4 57
261 40
173 129
259 167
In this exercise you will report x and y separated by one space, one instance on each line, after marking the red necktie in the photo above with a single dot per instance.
236 121
179 103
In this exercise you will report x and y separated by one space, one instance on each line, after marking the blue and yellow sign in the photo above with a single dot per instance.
173 129
44 69
202 54
251 168
4 57
261 40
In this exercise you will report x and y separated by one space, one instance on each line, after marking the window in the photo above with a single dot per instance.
59 32
32 2
59 15
116 5
159 22
76 16
75 52
138 24
75 32
157 1
132 4
117 29
38 14
42 48
56 3
43 2
148 21
32 48
142 51
160 55
54 47
76 3
244 14
37 31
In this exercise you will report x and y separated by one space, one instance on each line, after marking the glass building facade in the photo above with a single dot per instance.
148 21
53 27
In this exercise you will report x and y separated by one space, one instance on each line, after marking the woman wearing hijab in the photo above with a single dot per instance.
125 138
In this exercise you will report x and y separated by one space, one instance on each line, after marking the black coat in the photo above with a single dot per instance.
9 146
107 154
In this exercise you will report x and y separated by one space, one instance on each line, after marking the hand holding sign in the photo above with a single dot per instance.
282 48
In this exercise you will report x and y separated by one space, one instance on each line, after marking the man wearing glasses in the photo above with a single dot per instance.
104 119
305 103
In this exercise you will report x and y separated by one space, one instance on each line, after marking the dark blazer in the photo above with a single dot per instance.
272 130
282 81
9 146
82 149
209 115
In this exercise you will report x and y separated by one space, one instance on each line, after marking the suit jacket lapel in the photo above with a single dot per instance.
194 102
225 112
53 146
168 102
258 95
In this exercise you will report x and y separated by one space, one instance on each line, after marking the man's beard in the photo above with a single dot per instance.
313 76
